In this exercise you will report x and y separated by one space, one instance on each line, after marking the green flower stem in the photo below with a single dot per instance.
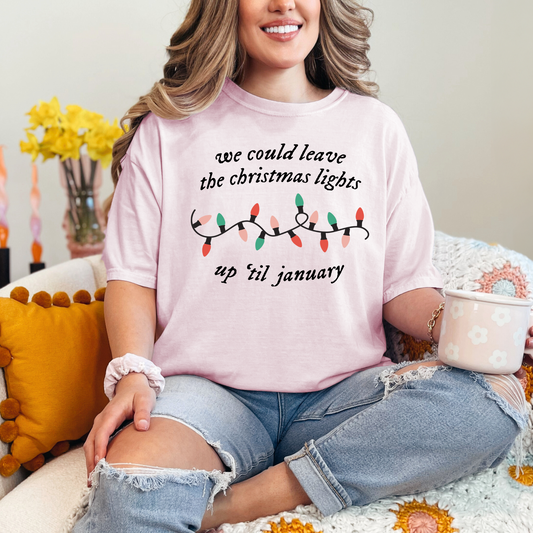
82 175
84 225
93 173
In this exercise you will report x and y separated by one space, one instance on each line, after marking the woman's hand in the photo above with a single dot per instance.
134 399
528 358
529 340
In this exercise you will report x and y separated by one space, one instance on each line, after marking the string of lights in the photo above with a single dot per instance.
301 219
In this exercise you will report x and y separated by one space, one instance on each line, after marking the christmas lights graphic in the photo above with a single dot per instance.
301 218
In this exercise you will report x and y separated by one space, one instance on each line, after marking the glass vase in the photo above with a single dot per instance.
84 221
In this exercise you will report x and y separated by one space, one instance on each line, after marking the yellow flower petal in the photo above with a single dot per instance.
35 118
49 113
30 147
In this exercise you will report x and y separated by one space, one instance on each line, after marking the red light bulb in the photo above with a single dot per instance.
359 216
324 242
295 239
254 212
206 248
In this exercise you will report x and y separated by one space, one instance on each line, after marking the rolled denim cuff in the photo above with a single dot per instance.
317 480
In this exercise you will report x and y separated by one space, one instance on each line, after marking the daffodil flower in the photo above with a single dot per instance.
62 134
46 115
68 145
30 147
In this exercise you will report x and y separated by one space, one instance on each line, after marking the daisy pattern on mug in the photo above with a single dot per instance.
456 309
478 335
452 352
501 316
518 336
498 359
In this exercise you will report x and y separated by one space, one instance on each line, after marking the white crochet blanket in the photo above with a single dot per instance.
491 501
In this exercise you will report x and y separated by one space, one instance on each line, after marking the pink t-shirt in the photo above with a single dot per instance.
274 233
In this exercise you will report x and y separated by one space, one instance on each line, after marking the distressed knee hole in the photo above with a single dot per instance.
509 388
148 477
507 392
393 377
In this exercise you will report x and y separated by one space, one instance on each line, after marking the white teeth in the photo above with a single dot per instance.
282 29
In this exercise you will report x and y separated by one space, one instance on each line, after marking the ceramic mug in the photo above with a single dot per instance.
484 332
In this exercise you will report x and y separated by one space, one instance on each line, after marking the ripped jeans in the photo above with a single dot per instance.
373 435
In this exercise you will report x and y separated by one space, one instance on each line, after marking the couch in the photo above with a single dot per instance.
46 500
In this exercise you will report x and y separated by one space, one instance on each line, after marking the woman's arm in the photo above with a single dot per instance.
130 316
411 311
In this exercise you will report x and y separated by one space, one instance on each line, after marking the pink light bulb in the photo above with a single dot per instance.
243 234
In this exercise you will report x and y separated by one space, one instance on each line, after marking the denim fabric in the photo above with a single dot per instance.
367 437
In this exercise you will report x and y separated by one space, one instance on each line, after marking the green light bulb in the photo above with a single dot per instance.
299 201
260 241
220 220
331 219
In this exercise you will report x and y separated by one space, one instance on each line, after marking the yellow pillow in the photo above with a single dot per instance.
54 355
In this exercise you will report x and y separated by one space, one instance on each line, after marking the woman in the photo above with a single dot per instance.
260 240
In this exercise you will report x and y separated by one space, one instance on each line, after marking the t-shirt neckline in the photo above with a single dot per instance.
272 107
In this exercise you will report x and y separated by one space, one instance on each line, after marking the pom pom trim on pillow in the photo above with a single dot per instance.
12 408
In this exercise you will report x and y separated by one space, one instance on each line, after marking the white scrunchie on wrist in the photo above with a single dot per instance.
122 366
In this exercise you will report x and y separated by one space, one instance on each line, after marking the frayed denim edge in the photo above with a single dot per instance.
520 419
392 381
503 404
153 478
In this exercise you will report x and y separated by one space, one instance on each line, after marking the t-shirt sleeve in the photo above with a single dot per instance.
409 230
132 237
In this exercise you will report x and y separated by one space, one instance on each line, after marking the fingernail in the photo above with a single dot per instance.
142 425
96 459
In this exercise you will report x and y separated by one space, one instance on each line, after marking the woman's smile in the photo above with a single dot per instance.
282 30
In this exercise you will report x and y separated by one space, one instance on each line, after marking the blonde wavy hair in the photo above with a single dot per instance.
205 50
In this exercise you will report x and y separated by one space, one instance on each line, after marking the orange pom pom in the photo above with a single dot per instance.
60 448
43 299
21 294
8 465
82 297
35 463
99 295
9 409
5 357
61 299
8 431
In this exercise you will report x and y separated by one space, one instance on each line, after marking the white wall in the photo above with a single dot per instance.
460 76
458 73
